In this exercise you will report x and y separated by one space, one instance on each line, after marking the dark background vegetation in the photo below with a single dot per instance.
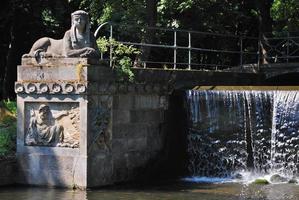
24 21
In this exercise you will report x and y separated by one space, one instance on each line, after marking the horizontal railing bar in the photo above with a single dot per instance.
281 56
182 63
282 38
185 48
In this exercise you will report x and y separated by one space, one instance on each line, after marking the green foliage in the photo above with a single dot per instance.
103 44
106 14
8 137
122 57
11 106
8 128
285 14
48 18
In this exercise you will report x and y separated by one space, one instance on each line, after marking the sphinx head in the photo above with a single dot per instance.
80 23
80 20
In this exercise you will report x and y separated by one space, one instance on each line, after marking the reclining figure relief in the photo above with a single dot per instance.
77 42
56 129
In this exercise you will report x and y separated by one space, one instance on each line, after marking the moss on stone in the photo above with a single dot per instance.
261 181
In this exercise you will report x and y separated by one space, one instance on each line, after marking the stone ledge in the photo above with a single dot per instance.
59 61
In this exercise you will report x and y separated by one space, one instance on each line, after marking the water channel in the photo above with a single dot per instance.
169 191
236 136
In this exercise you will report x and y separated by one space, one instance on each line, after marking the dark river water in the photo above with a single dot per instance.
173 191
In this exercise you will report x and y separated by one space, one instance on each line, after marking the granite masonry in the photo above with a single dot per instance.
79 127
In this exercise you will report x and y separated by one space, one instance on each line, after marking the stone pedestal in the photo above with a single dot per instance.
78 127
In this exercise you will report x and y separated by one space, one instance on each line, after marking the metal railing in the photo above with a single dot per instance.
283 48
194 50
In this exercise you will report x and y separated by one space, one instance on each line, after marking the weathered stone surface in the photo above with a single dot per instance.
117 126
123 102
121 116
100 170
120 160
71 73
137 144
59 61
131 130
52 124
147 102
142 116
119 145
137 159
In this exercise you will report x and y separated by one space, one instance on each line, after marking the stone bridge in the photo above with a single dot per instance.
268 74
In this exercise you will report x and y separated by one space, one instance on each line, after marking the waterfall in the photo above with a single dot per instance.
285 133
231 131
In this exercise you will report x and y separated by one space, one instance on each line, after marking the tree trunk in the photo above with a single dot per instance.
6 18
151 21
265 26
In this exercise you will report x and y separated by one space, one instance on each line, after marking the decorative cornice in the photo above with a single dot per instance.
50 88
93 88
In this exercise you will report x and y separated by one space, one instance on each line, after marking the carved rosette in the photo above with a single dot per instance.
81 88
50 88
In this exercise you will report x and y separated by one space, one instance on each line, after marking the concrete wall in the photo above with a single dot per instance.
8 171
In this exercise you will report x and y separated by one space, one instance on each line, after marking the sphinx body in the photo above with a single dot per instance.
47 46
77 42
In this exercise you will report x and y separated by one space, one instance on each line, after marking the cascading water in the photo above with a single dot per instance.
285 133
231 131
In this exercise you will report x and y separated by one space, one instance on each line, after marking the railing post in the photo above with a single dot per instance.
111 45
288 47
174 50
259 52
189 51
241 52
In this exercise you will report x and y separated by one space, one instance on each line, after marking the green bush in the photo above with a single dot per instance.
8 139
8 127
122 57
11 106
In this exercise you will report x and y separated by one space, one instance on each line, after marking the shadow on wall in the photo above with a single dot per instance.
284 79
173 158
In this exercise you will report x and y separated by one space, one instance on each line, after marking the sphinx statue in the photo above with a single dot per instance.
77 42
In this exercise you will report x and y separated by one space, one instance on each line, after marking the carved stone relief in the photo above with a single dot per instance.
50 88
52 124
102 126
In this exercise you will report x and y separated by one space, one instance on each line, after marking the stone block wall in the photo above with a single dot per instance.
133 136
117 129
140 133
